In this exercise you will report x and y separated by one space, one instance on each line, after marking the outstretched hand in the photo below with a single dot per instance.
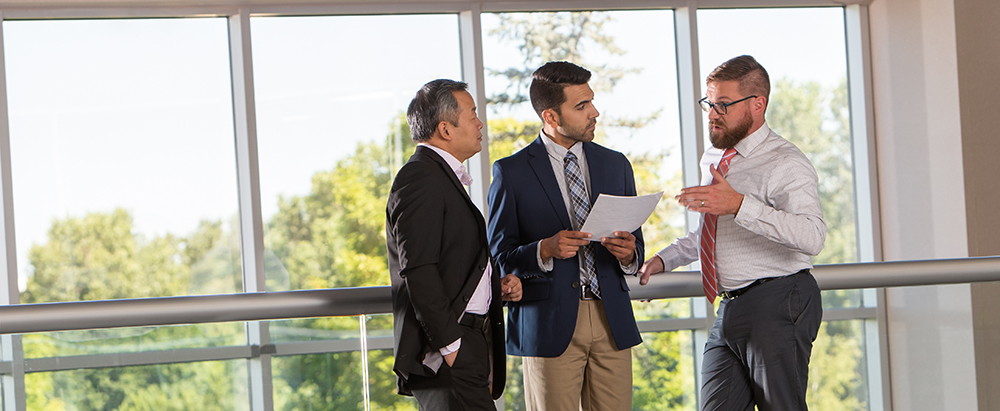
718 198
654 265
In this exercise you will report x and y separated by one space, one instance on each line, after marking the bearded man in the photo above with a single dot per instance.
761 224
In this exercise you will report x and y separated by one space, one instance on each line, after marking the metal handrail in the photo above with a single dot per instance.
84 315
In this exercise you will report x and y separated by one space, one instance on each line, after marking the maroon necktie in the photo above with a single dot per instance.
709 276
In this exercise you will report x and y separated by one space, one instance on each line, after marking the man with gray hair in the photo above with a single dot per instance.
446 288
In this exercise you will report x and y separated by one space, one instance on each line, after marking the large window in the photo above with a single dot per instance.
331 100
122 158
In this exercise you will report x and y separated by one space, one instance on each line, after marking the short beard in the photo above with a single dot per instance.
728 137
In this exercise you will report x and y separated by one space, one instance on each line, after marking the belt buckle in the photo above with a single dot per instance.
583 293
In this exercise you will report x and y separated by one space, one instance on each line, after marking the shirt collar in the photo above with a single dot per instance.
448 158
557 151
750 143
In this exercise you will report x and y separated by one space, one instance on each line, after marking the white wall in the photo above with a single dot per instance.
919 143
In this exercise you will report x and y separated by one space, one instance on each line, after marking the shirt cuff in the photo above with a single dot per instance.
633 267
545 266
750 210
450 348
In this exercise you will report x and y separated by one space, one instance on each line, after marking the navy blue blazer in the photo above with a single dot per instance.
525 207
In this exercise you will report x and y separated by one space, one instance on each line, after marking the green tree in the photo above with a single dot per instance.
99 256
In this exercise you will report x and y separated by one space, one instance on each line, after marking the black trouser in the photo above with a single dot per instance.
758 349
466 384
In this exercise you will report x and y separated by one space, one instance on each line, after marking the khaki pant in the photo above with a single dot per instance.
591 375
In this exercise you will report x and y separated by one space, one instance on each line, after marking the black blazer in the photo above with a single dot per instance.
436 239
525 207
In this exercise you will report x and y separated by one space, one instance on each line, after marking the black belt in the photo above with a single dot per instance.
475 321
740 291
587 293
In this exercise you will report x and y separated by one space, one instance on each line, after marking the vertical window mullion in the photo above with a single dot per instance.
13 384
473 73
869 233
251 225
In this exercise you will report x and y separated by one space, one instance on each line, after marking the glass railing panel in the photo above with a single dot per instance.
133 340
207 385
320 382
837 377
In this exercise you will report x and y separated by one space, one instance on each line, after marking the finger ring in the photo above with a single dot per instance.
702 203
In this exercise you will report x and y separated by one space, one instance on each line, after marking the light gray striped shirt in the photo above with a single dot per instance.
780 223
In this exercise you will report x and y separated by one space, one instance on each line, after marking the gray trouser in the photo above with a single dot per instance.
758 349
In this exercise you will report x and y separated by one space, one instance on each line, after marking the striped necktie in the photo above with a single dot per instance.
581 209
709 276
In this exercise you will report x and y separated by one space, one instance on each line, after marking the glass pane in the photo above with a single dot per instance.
663 372
837 367
808 103
382 384
123 166
216 385
632 58
331 95
131 340
319 382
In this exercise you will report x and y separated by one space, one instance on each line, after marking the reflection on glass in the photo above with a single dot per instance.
130 340
121 135
217 385
631 55
331 96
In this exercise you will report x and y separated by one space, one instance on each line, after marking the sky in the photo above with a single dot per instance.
137 113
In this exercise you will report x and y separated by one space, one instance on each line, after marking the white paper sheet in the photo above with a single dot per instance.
618 213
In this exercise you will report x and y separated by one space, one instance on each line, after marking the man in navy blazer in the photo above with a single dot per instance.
574 324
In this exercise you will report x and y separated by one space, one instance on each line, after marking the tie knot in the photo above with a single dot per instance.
730 152
464 176
570 158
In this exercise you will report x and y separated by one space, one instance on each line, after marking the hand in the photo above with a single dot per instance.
654 265
450 358
563 245
718 199
510 288
622 246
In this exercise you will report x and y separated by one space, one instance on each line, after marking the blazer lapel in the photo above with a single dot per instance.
597 171
542 167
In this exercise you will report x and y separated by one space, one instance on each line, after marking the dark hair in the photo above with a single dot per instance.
753 79
435 102
548 82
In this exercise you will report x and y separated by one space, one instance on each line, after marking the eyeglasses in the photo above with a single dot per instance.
721 108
